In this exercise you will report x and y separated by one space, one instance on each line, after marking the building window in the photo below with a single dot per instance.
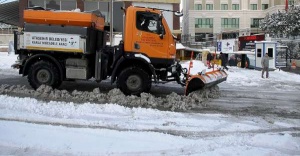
209 7
235 7
230 35
89 6
291 2
258 53
103 6
200 37
270 52
198 6
54 4
68 5
230 22
204 23
32 3
224 6
253 6
264 6
255 22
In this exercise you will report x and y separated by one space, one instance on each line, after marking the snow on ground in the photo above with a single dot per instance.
6 60
92 129
32 127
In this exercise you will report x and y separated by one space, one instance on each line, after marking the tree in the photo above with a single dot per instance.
293 49
282 23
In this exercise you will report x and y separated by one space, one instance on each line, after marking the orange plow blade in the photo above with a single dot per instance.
205 80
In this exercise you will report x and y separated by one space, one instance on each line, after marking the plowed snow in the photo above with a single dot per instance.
173 101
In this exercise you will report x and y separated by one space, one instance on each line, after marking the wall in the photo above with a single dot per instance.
5 38
244 15
22 5
4 41
152 1
118 16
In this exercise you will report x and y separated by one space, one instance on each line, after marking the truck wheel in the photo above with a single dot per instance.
134 81
43 72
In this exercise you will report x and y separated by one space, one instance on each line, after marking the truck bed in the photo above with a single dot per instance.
66 18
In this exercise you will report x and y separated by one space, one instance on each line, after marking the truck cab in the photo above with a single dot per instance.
147 33
148 51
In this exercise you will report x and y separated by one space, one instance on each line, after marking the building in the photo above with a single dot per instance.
103 6
11 12
209 20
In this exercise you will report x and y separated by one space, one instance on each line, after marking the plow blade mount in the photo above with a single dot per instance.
201 81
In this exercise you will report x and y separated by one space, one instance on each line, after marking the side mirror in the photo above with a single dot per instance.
178 14
175 38
160 16
161 36
160 26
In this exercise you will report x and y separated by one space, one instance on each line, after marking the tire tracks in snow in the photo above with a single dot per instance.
187 134
205 142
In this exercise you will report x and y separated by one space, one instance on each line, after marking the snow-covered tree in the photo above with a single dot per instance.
282 23
293 21
293 49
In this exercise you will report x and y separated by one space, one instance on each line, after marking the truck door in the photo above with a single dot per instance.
149 38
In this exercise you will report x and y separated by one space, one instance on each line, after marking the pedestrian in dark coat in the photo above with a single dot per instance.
223 60
209 58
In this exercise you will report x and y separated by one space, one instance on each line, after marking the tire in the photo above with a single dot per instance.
134 81
43 72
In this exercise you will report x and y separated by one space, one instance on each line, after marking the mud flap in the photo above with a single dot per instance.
201 81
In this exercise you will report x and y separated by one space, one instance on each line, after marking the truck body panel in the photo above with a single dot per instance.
53 42
64 18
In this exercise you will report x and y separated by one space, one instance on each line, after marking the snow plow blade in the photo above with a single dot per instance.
201 81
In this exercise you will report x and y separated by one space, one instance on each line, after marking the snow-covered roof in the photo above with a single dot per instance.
179 46
240 52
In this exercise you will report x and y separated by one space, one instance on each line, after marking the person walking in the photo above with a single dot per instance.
265 66
209 58
223 60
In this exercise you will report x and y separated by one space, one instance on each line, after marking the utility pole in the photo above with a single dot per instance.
111 14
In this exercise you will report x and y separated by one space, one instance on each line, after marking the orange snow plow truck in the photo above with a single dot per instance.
56 46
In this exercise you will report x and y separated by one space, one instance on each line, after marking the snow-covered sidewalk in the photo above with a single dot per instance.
31 127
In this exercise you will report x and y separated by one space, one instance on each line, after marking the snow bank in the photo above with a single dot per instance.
6 60
173 102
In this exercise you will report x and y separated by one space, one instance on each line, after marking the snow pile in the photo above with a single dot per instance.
6 60
173 101
198 66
